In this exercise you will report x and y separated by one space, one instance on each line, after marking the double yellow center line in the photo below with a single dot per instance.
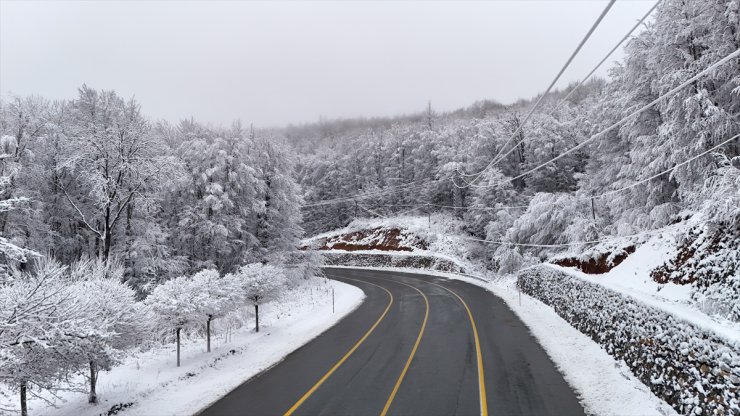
411 356
341 361
479 357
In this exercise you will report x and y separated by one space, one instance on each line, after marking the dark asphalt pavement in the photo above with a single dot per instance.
352 368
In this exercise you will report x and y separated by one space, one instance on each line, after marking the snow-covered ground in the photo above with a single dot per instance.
447 240
604 385
443 233
155 386
632 278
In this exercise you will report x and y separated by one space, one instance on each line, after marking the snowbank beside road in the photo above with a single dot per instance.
633 278
149 383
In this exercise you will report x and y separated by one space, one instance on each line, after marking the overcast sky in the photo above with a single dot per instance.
289 62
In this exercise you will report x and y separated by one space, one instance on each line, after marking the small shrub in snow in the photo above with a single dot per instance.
693 370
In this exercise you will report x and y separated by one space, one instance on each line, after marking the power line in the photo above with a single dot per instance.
371 211
552 84
369 194
623 120
667 170
600 241
580 83
422 204
498 159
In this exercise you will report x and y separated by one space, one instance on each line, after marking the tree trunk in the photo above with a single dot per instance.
24 407
178 347
106 245
93 397
257 317
208 334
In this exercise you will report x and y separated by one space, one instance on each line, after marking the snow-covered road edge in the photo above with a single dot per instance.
272 349
604 385
149 383
280 342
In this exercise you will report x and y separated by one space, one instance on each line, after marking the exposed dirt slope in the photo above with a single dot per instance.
383 239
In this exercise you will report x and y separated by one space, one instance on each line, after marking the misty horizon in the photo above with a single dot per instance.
280 64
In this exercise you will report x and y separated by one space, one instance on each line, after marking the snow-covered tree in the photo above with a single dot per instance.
277 227
109 159
41 322
173 307
260 283
554 219
214 297
111 309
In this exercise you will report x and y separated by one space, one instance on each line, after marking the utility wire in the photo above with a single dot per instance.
667 170
606 57
369 194
498 159
371 211
423 204
552 84
623 120
600 241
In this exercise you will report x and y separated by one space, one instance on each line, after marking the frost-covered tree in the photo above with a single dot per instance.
10 253
214 297
111 309
554 219
259 283
42 321
173 307
277 226
109 160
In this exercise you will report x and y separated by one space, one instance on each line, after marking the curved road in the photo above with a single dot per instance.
418 345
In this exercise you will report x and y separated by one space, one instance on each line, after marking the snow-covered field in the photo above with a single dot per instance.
149 383
604 385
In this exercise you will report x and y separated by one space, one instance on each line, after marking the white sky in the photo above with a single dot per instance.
288 62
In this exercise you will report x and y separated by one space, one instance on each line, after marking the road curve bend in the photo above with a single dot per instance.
418 345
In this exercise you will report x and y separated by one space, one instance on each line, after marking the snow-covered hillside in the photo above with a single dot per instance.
439 236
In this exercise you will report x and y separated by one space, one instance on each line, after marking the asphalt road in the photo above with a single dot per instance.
418 345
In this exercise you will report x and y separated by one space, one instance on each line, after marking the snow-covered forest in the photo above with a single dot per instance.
118 230
595 161
102 208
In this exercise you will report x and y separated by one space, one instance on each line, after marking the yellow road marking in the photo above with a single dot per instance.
481 378
341 361
411 356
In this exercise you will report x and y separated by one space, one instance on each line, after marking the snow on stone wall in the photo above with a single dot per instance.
692 369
